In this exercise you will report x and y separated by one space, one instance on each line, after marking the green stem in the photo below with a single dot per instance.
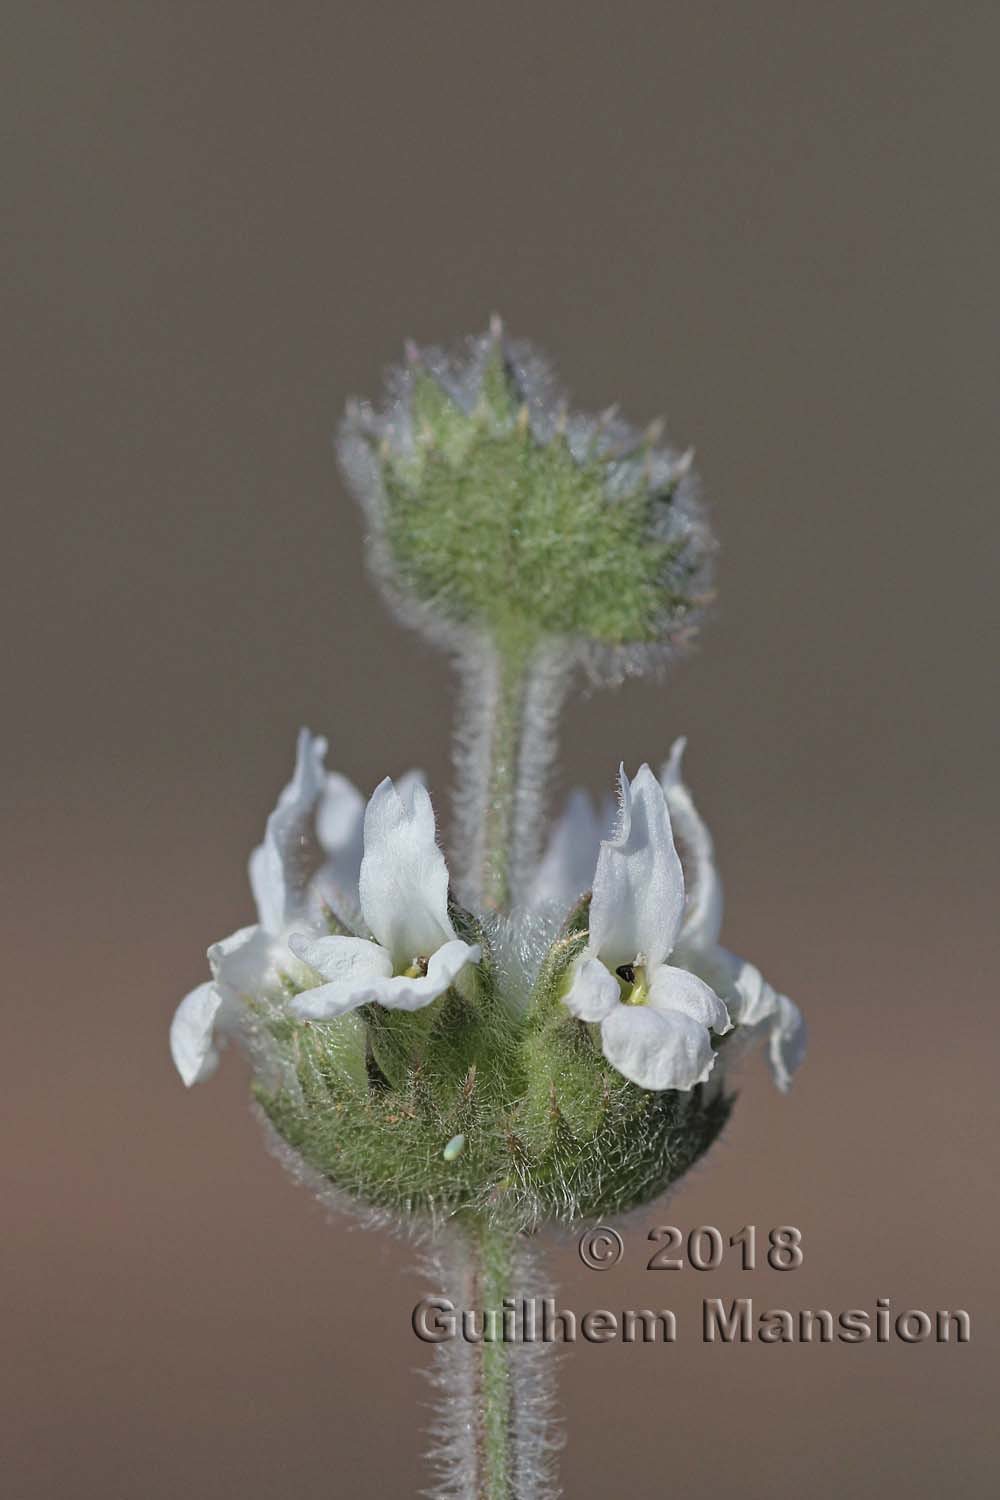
496 1435
513 689
502 776
493 1258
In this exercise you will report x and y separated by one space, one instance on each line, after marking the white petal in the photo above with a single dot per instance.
443 968
340 819
352 967
383 988
341 958
672 989
405 784
594 991
191 1034
280 869
243 963
638 885
758 1008
787 1042
404 879
566 870
754 999
657 1050
703 907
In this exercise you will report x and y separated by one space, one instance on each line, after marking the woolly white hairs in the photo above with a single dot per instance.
484 708
534 1436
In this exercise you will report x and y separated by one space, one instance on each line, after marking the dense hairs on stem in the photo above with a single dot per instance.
505 745
495 1435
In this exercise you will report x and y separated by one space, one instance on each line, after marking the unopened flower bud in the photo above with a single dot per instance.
494 510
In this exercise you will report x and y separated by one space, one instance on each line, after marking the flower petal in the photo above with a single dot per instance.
703 908
757 1007
672 989
281 867
657 1050
638 898
340 819
341 958
566 869
395 992
594 992
191 1034
755 1000
243 963
404 879
443 968
352 967
787 1042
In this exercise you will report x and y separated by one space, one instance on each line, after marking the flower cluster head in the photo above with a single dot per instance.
541 1033
579 1048
494 511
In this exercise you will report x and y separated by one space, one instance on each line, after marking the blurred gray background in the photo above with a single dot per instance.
775 224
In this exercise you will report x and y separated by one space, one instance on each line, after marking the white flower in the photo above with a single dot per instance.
564 874
654 1017
761 1011
566 869
191 1034
340 821
756 1008
255 958
703 888
403 889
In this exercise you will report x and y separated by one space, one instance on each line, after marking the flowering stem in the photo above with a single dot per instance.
501 789
495 1436
493 1252
513 691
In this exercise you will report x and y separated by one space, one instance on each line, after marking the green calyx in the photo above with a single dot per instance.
467 1108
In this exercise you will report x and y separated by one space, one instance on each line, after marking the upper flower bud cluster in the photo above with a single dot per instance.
495 510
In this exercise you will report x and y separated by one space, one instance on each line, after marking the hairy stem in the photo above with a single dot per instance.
512 694
495 1437
493 1253
502 777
